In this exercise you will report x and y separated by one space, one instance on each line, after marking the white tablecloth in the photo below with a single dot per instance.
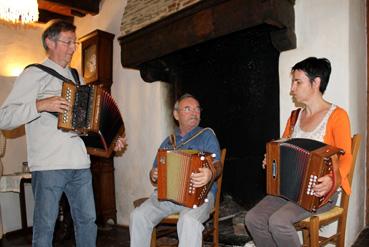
11 182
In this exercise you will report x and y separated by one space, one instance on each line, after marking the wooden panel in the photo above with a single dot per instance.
65 6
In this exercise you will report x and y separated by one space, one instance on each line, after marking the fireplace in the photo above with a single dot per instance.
225 53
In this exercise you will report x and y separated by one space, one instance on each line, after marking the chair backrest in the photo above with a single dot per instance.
219 183
355 145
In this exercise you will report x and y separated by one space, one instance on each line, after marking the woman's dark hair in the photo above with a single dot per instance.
54 28
315 67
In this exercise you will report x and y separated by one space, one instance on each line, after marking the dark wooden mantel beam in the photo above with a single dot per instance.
207 20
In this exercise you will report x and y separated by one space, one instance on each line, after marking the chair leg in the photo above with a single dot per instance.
341 231
153 238
314 231
305 237
216 233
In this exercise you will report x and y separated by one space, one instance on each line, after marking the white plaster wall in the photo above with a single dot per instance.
15 154
142 105
335 29
19 46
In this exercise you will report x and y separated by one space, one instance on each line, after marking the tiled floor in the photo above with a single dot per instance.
119 236
232 233
363 239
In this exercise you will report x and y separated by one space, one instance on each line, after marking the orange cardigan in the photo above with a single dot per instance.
338 134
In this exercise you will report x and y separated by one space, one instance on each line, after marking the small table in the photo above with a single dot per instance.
15 183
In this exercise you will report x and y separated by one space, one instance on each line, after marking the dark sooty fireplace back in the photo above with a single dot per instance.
236 81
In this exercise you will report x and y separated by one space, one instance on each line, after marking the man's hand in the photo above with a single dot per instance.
52 104
323 186
154 175
202 177
120 144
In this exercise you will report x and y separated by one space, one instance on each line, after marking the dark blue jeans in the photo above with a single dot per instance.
48 187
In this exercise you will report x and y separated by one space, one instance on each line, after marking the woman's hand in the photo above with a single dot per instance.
323 186
263 165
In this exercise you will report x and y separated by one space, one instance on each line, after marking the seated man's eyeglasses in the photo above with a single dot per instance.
190 109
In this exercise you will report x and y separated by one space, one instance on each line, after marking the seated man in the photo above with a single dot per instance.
188 136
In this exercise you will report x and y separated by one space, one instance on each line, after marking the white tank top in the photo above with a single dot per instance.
316 134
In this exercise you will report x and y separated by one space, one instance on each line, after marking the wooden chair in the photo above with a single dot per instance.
310 226
213 230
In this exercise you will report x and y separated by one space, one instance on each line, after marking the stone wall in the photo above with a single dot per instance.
141 13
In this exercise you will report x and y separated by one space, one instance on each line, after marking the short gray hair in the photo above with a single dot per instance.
54 28
184 96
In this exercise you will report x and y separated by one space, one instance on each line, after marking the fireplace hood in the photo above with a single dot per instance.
201 22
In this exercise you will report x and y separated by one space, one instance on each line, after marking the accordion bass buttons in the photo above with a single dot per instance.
312 181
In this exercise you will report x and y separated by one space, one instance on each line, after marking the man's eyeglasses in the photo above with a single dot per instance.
69 43
188 109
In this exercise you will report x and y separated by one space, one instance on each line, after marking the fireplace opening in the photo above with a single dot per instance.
235 77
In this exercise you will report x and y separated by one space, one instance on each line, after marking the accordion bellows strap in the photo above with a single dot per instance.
175 168
293 167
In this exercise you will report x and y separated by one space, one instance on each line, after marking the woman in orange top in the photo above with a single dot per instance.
271 221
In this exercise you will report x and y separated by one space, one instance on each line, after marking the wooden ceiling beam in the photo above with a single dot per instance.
66 9
84 6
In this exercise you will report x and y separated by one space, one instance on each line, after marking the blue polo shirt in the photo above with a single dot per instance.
205 142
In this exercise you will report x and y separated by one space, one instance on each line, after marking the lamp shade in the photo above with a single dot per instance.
19 11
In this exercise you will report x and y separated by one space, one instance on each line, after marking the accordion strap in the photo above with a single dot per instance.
336 180
293 117
54 73
75 76
190 139
172 140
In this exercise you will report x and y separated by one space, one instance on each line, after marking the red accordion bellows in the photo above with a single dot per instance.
94 114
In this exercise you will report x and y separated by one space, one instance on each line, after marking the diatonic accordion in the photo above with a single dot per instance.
94 115
293 167
175 168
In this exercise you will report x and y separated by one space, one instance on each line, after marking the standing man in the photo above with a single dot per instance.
188 136
58 160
